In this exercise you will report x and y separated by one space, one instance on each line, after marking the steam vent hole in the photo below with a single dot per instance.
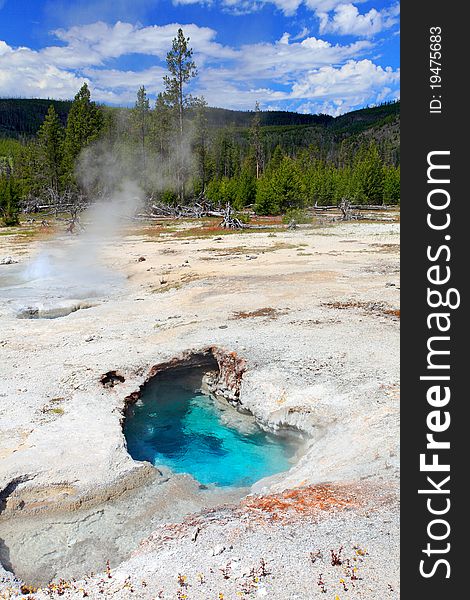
178 424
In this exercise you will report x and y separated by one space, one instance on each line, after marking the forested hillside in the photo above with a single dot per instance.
20 118
23 117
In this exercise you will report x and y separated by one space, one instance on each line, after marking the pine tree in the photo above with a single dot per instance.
342 185
50 146
28 170
161 124
224 152
84 124
9 201
276 159
266 200
288 185
280 190
391 185
255 134
140 117
321 186
181 69
245 193
368 176
214 191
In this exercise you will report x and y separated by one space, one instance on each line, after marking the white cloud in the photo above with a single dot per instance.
288 7
4 47
355 76
115 79
23 72
308 72
119 87
283 61
335 16
112 41
347 20
325 6
355 83
312 73
58 71
302 34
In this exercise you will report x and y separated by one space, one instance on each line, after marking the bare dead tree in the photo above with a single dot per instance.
30 204
229 221
53 200
345 208
78 204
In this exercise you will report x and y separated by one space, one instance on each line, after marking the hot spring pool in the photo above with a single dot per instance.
175 425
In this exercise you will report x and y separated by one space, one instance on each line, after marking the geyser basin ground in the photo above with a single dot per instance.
175 424
321 355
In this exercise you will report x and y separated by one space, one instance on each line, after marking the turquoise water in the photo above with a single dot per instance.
189 432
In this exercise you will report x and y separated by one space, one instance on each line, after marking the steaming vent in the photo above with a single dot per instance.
70 270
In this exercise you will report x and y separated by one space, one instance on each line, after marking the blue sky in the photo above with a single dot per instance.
306 55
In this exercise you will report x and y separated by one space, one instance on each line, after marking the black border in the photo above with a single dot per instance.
422 132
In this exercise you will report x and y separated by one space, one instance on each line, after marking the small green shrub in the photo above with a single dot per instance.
298 215
242 217
169 197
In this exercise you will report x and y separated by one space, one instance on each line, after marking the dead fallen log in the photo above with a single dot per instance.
164 210
53 206
179 211
373 207
144 217
195 211
356 207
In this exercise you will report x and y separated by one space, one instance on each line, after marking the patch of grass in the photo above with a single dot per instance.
250 250
205 232
28 232
373 307
389 248
270 313
57 411
232 250
201 229
174 285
